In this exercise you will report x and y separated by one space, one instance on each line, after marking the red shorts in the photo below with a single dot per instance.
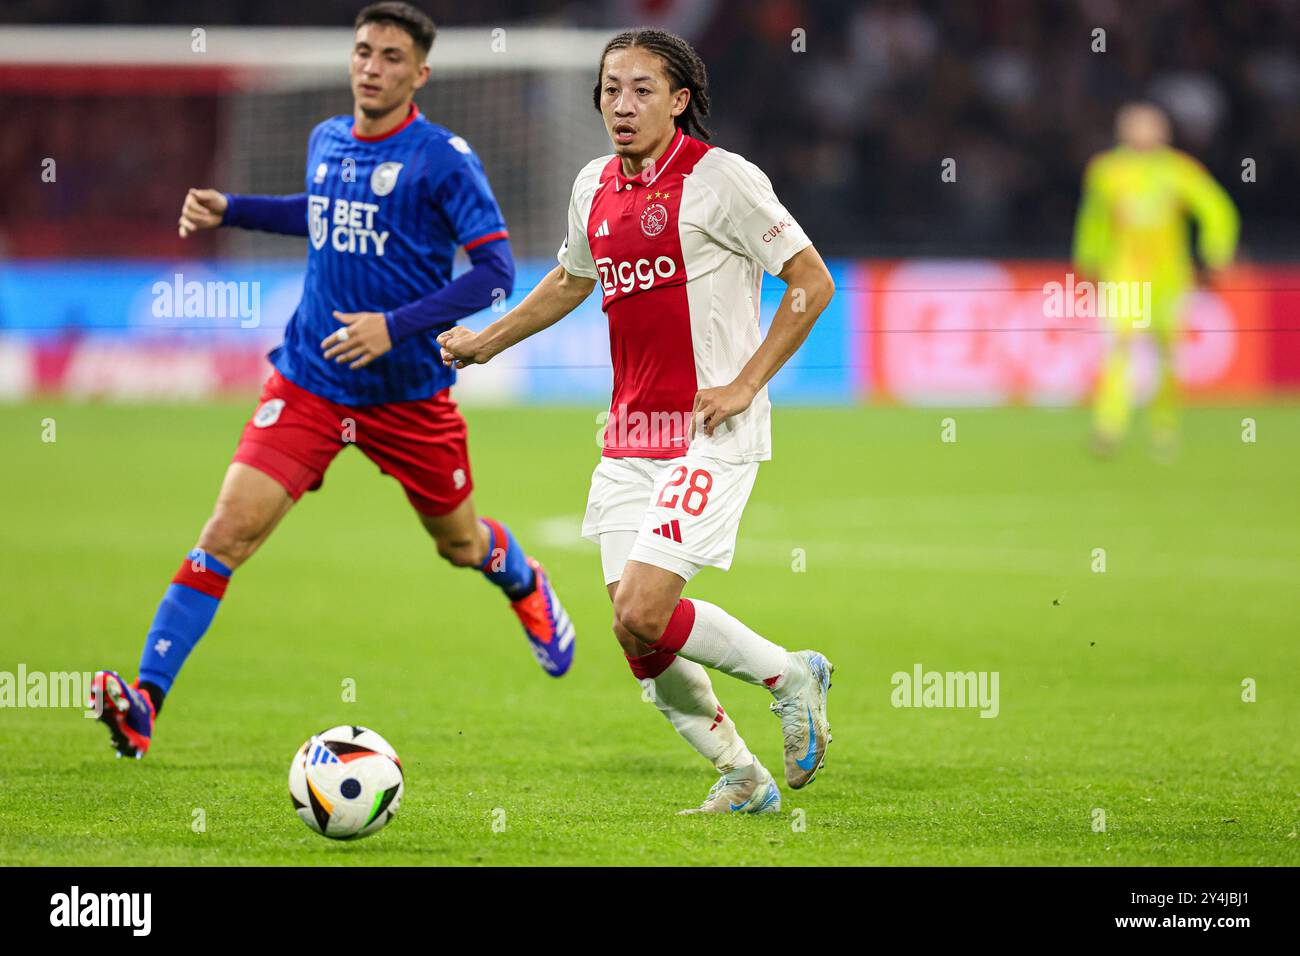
295 434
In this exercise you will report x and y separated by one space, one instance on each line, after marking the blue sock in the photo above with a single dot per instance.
506 565
183 616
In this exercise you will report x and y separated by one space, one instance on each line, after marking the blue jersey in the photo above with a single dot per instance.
384 218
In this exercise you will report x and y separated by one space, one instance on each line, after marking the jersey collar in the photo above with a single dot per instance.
674 147
411 116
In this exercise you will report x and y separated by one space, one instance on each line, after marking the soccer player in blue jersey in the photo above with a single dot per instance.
390 196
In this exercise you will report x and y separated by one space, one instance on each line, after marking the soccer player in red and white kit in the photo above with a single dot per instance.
389 197
678 234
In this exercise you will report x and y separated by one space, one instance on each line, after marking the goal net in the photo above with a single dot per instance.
521 96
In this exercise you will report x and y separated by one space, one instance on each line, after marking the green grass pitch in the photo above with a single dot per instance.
1119 691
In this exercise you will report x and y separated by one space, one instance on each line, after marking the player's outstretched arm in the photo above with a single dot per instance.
558 294
809 288
210 208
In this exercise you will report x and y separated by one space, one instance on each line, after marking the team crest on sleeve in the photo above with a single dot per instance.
654 218
458 143
269 413
384 178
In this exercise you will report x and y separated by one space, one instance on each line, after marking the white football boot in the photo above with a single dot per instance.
801 705
746 790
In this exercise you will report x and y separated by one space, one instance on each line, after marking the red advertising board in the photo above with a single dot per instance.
990 332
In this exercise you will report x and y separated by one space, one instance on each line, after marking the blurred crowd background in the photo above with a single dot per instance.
853 110
852 130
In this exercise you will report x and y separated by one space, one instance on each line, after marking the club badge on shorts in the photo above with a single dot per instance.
384 178
269 413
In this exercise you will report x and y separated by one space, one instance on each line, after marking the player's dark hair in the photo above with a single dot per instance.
684 68
404 16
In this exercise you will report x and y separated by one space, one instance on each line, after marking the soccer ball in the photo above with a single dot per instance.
346 782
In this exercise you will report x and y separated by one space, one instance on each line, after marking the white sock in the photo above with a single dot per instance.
685 695
719 641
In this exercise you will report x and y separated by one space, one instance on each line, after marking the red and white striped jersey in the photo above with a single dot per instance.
679 251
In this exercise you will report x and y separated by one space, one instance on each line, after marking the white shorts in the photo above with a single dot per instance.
679 514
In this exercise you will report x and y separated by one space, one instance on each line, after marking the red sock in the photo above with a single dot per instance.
665 649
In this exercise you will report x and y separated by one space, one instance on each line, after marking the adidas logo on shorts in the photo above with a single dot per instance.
672 531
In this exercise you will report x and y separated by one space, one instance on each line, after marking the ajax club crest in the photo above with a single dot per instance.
384 178
654 218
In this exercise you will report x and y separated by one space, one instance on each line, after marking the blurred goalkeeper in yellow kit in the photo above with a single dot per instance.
1132 229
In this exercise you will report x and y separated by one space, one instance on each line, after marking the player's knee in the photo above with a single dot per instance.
640 618
462 551
627 641
231 535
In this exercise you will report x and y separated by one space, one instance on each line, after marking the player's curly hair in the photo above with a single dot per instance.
684 68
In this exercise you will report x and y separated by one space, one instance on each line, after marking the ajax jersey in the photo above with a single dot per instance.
679 252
